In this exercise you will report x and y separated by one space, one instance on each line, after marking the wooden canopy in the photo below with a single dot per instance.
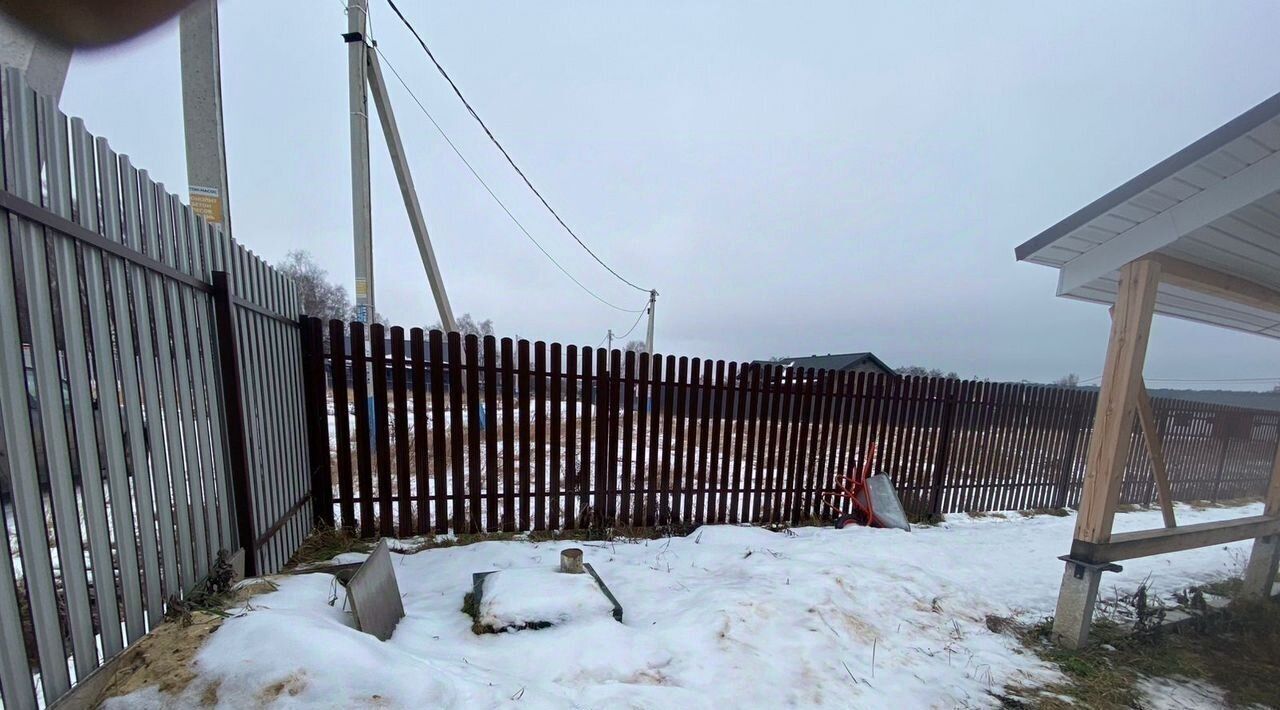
1196 237
1210 214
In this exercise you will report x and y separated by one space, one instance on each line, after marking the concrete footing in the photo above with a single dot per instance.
1076 598
1260 575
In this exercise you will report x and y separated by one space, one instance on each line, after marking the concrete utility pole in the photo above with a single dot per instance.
653 301
364 75
408 192
202 113
361 201
609 337
42 61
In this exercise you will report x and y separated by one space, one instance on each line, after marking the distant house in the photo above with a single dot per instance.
847 362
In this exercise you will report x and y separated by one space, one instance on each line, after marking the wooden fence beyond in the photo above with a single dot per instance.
467 435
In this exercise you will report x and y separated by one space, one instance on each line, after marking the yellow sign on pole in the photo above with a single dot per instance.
207 202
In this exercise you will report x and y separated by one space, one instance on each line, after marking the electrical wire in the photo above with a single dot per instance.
1243 379
633 325
503 150
1240 380
624 335
494 195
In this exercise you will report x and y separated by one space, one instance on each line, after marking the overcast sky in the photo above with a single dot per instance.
793 178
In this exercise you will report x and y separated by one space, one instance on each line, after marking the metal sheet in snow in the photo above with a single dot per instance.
374 595
885 503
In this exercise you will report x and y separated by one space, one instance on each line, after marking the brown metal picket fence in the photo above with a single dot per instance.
444 433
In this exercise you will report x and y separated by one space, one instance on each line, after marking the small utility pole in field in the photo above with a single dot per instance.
653 301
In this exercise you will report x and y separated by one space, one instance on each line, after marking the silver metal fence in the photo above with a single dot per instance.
116 473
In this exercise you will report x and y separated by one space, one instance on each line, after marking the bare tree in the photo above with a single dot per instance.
468 325
1071 379
635 346
921 371
320 297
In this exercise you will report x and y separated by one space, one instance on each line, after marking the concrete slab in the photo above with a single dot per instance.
374 595
552 598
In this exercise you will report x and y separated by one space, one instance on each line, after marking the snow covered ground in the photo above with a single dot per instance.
726 617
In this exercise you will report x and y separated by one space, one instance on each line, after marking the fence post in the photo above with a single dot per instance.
315 390
944 446
1069 457
1225 428
233 403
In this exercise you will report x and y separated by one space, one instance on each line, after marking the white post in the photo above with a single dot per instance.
653 301
202 113
417 222
609 337
361 203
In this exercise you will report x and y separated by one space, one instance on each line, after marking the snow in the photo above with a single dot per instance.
1180 693
517 597
728 616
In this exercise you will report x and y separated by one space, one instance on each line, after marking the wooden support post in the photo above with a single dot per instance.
1260 575
1151 434
1109 444
1121 378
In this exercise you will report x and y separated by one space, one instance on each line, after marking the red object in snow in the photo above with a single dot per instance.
858 489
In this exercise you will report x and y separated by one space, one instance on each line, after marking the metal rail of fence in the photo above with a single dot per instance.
443 433
115 485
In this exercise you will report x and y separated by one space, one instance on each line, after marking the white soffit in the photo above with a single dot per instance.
1213 204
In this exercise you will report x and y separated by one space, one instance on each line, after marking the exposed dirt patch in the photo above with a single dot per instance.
165 657
209 696
291 685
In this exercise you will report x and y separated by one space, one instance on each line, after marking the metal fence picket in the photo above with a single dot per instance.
115 402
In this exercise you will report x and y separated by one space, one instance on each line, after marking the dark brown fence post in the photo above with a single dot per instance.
1069 456
315 392
338 367
400 428
381 428
944 447
237 451
1222 458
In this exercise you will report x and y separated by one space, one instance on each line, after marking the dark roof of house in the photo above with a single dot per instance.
841 361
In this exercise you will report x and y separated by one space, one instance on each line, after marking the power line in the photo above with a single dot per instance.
492 194
1245 380
633 325
503 150
1242 379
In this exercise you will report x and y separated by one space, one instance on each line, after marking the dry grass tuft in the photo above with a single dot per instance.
1237 650
324 543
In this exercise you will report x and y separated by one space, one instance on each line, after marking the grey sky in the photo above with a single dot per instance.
793 178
